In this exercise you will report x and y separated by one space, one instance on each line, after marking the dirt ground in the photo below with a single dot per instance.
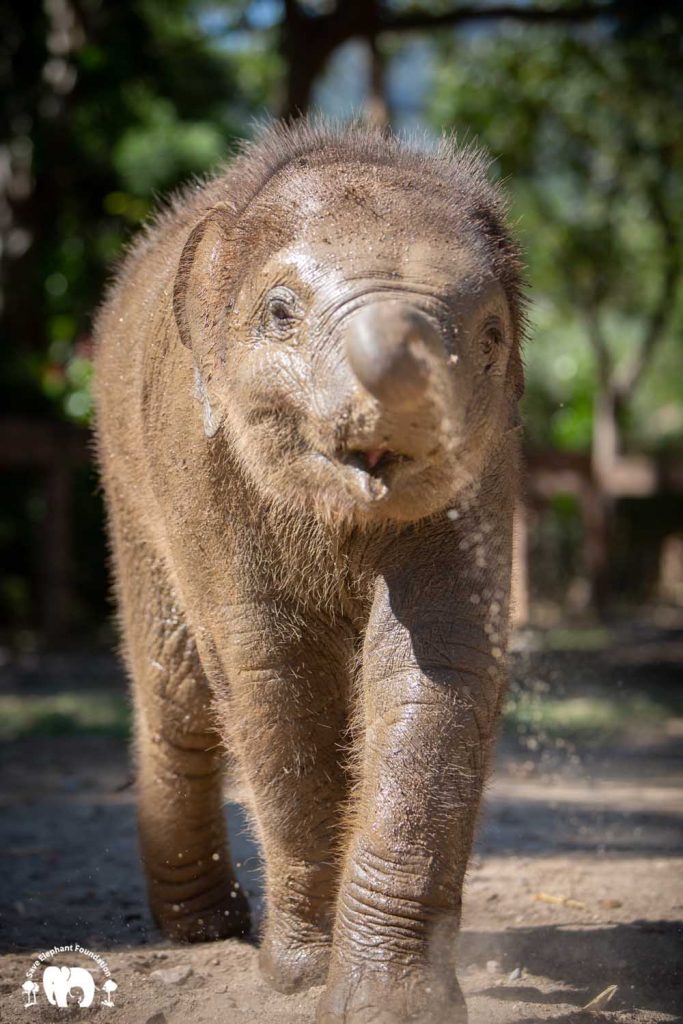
576 883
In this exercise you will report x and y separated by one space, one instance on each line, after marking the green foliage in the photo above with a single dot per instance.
104 105
586 127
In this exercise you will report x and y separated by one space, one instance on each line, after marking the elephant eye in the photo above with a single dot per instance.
281 312
492 343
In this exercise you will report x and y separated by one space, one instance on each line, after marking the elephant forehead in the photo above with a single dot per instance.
357 191
353 205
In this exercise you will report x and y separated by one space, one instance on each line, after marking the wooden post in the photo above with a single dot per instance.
52 449
55 573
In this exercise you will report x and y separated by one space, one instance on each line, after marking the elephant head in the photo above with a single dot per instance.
59 981
357 336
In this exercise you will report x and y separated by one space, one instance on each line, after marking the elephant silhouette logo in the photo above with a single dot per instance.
59 981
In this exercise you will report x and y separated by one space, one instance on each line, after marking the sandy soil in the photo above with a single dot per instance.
576 885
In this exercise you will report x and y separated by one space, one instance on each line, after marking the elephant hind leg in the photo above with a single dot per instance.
193 892
192 889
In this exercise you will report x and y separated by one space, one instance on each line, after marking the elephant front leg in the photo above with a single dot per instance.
429 722
287 719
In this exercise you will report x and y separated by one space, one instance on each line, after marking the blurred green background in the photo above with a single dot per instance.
108 105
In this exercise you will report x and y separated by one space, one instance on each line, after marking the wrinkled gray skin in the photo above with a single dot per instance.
307 377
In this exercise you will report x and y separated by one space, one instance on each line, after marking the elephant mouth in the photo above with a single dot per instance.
374 471
375 462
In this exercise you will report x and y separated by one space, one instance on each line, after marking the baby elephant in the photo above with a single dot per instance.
307 380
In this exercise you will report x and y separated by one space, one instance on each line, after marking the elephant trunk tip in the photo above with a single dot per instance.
391 347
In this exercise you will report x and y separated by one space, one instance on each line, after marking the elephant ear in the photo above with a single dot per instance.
515 382
202 303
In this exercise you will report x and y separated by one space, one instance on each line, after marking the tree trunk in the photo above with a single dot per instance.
305 44
308 40
302 72
377 107
605 441
599 507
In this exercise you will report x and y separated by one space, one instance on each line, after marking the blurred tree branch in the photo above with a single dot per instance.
663 309
571 14
308 39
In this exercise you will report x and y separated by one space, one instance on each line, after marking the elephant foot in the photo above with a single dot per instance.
293 965
228 919
384 996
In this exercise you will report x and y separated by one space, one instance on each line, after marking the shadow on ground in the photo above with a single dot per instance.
642 958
